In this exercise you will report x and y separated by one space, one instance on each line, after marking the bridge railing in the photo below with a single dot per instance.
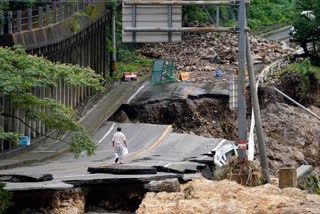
39 17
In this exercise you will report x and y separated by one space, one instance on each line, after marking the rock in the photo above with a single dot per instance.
169 185
204 196
198 50
267 59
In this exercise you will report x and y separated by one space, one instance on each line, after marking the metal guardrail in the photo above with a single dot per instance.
33 18
261 78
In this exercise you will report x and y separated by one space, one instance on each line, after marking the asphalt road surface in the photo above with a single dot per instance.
148 144
279 35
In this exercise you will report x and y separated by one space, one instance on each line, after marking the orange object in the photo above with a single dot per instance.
184 76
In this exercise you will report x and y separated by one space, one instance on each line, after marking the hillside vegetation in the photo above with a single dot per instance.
259 13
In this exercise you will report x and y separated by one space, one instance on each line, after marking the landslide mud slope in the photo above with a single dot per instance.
204 196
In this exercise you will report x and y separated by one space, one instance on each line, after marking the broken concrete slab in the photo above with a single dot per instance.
123 169
203 159
28 186
17 178
182 167
101 178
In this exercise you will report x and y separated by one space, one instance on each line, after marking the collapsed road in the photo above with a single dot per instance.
155 151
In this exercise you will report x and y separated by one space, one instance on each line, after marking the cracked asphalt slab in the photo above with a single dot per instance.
179 91
149 145
145 149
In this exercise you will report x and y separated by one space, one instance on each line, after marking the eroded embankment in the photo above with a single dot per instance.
291 134
204 116
115 198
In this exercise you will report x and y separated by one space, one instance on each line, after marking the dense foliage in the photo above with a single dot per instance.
17 5
5 199
259 13
307 26
21 72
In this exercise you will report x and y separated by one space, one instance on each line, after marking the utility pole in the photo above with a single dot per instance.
257 115
242 132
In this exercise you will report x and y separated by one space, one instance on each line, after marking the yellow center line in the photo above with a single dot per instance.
188 92
153 145
134 156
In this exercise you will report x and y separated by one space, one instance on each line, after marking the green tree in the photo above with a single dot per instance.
5 198
307 26
259 13
21 72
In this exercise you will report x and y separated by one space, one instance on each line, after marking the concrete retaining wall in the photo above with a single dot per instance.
59 43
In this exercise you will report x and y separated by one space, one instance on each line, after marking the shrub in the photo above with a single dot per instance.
5 198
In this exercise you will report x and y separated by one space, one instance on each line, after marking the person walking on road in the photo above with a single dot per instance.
119 145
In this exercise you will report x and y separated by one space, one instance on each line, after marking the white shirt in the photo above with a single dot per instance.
118 138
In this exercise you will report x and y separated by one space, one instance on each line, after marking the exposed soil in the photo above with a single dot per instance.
291 134
208 117
228 197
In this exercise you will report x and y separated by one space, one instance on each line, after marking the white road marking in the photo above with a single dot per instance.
135 94
104 136
107 133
